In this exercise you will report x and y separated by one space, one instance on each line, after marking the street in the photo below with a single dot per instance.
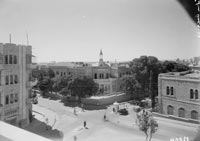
117 128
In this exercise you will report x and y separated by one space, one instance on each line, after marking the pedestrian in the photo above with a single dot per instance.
104 117
82 107
74 111
75 138
47 122
84 124
113 110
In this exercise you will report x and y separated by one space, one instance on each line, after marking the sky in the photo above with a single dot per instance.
76 30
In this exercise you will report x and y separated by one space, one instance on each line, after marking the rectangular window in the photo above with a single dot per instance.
11 79
16 97
1 59
191 94
6 59
16 79
11 98
95 76
172 91
196 94
107 75
7 80
167 90
15 59
10 59
7 100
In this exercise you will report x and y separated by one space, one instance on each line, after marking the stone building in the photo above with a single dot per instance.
15 83
178 94
105 74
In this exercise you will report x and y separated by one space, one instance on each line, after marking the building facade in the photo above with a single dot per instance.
15 83
178 94
105 74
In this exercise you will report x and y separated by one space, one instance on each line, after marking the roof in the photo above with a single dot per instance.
12 133
191 74
63 64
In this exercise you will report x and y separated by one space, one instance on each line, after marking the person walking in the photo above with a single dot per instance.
104 117
47 122
75 111
75 138
84 124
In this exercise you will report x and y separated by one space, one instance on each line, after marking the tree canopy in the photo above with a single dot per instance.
130 85
146 70
83 87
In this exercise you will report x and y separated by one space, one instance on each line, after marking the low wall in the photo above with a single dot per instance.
100 103
176 118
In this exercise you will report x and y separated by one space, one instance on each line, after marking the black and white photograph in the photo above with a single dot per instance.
99 70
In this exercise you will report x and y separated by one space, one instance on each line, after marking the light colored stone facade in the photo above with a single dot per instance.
178 94
15 88
104 74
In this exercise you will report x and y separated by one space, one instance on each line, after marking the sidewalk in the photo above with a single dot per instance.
41 127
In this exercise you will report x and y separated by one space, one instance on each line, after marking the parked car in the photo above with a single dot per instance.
123 111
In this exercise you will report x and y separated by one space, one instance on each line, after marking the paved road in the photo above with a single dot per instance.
118 128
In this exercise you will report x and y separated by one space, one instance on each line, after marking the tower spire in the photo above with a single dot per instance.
101 55
101 58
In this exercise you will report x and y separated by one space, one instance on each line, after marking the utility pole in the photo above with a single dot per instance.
150 90
27 41
10 38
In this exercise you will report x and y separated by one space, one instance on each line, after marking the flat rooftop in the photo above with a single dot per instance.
191 74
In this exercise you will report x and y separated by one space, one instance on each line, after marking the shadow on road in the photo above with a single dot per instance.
40 128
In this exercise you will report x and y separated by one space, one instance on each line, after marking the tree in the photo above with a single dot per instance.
83 87
130 85
146 70
62 85
45 85
50 73
172 66
147 124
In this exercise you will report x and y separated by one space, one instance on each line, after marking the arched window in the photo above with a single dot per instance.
15 59
170 110
196 94
191 94
172 91
194 115
181 112
167 90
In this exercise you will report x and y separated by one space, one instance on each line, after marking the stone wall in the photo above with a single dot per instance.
91 103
